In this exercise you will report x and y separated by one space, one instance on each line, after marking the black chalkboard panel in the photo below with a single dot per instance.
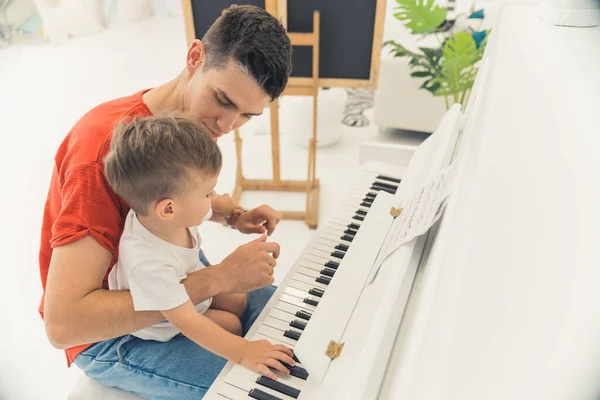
347 34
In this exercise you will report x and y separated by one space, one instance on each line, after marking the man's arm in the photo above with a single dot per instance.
78 311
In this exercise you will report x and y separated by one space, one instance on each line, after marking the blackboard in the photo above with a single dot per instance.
350 36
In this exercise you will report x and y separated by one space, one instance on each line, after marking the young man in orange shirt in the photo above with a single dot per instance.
242 63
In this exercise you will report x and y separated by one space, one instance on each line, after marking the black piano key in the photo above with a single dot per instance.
338 254
368 199
371 195
260 395
353 226
298 324
387 178
324 280
292 334
311 301
278 386
316 292
391 191
361 212
342 247
332 264
296 371
392 186
351 232
304 315
328 272
359 218
347 238
365 204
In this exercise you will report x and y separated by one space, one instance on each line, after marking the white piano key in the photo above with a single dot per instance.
272 340
287 307
275 334
244 383
289 380
282 315
328 242
323 247
276 323
325 255
313 271
315 259
315 266
310 280
301 285
335 237
286 298
346 221
232 392
301 294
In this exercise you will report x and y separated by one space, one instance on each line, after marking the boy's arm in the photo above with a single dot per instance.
257 355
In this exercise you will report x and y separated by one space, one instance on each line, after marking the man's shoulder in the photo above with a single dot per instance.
89 139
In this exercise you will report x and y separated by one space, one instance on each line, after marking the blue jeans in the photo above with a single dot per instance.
177 369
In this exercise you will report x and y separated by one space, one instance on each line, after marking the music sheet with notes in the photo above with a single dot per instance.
419 212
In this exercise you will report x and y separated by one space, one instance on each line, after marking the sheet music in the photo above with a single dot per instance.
418 213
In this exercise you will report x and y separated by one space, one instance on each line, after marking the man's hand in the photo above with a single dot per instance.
262 219
250 266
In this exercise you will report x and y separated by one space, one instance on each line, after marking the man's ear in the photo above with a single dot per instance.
196 56
165 209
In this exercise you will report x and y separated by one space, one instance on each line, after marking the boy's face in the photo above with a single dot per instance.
192 206
220 99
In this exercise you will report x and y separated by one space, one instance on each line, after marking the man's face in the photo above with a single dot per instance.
222 99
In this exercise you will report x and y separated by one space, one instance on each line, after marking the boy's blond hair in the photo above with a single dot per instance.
150 159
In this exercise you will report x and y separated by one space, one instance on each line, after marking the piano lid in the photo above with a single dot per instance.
516 309
331 321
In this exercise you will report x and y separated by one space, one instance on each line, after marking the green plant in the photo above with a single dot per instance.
450 69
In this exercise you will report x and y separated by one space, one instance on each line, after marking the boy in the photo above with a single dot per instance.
166 168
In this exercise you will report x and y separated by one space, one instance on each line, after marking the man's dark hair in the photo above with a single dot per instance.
257 41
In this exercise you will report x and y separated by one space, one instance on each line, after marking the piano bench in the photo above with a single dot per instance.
87 389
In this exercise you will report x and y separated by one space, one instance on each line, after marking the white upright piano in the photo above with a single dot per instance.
500 299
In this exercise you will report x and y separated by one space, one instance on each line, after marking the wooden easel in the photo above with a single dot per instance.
295 87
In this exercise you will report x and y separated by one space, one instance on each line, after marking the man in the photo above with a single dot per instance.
242 63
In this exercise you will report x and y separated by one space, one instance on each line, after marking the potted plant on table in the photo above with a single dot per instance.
450 68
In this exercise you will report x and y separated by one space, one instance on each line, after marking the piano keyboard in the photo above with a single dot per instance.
299 294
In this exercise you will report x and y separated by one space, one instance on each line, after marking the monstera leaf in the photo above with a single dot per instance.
458 73
420 16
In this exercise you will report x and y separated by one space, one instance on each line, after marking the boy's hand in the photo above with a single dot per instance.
262 219
260 355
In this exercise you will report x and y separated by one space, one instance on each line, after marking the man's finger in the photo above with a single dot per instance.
272 247
271 224
271 261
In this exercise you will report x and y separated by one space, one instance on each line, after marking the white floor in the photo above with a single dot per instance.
43 91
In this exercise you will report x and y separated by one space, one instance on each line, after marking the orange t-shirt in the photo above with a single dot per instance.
80 201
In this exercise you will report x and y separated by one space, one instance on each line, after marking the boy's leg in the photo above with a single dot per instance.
256 301
226 320
177 369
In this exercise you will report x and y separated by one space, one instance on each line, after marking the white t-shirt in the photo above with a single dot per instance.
152 270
